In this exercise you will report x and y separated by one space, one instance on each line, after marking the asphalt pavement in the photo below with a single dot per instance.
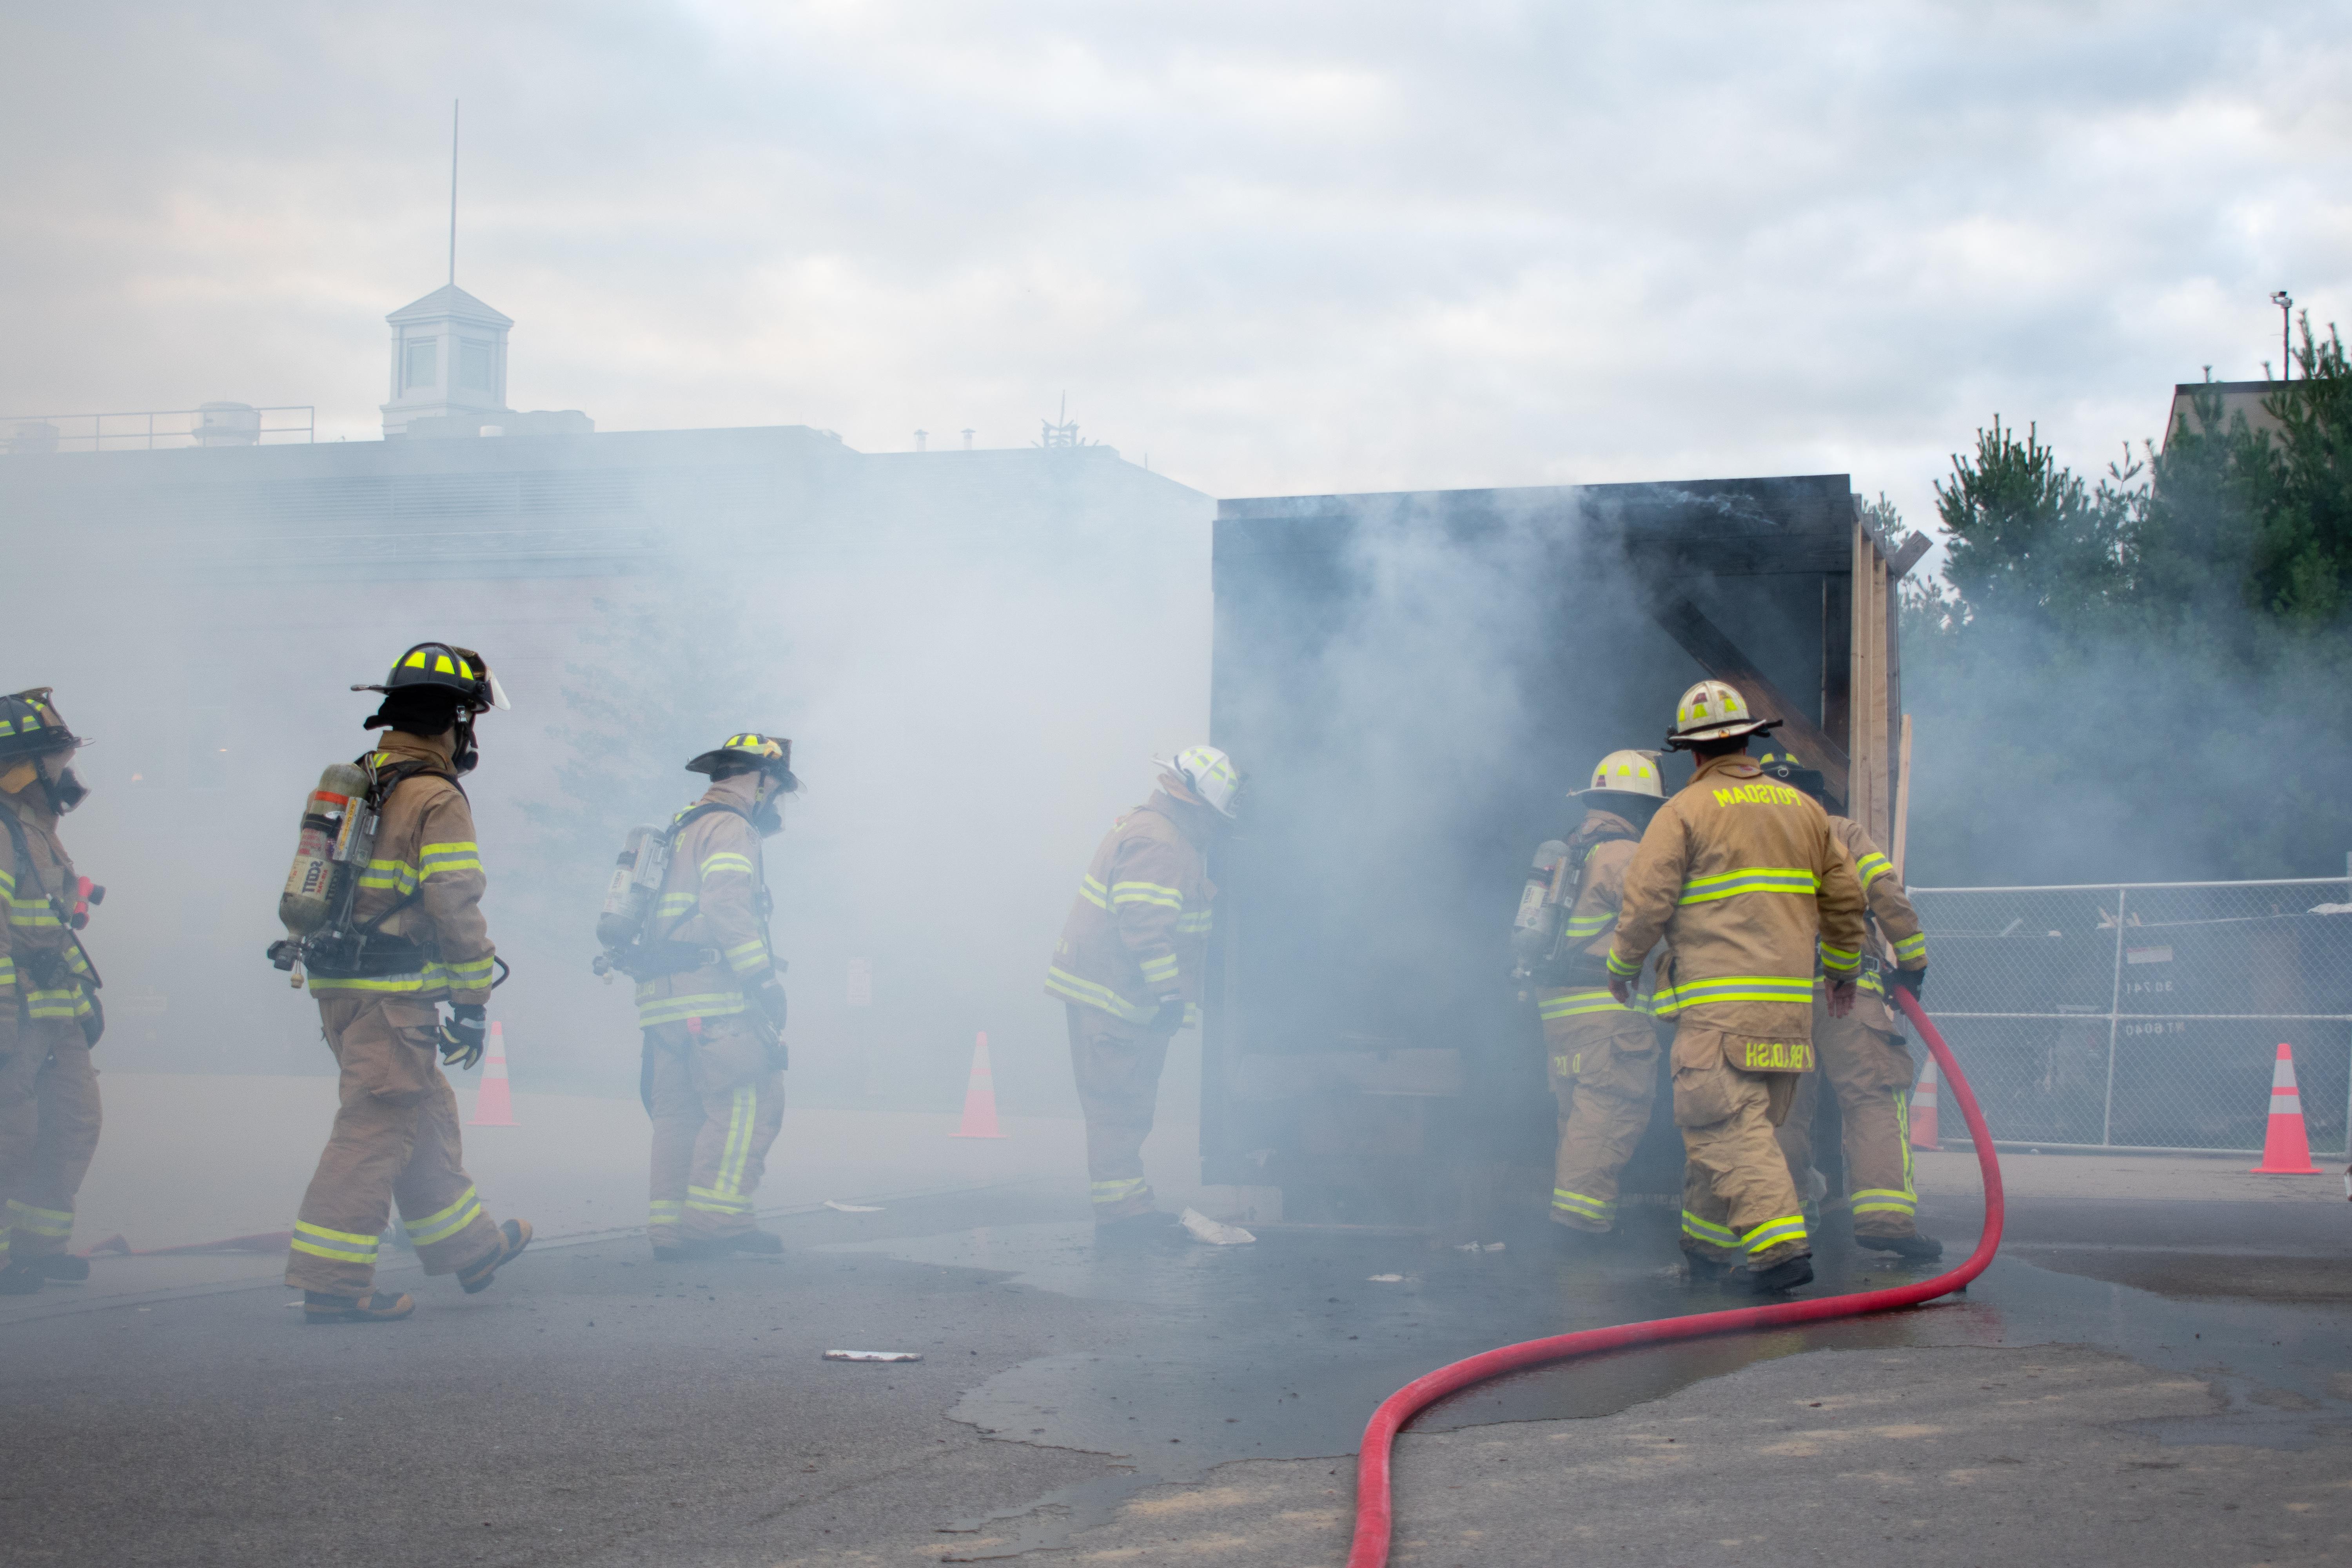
2137 1379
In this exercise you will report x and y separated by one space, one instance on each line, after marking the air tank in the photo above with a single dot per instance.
1538 921
309 900
638 874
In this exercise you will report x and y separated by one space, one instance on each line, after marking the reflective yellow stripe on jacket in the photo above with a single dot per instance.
1752 879
1672 999
1085 993
1576 1004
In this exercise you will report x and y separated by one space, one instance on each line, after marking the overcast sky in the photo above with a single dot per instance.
1276 247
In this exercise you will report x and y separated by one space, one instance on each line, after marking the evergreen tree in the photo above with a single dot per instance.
2116 680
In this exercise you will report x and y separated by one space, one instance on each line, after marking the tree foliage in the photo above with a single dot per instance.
2123 679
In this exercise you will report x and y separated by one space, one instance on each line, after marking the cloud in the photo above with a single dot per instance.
1306 246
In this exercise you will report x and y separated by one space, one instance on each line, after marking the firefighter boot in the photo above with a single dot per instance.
1704 1270
1148 1230
375 1307
1574 1243
1785 1275
757 1243
62 1266
21 1278
1914 1248
513 1236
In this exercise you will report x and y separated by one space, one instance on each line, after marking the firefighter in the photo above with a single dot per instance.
711 1004
49 1012
416 940
1861 1054
1743 879
1130 964
1601 1055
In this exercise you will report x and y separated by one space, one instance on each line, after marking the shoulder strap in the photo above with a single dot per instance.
696 812
1581 843
63 907
24 851
678 827
382 782
386 779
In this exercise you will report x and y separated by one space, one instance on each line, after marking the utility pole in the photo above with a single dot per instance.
2286 303
453 193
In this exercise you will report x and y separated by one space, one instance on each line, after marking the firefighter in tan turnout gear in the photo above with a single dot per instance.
1129 967
49 1014
407 936
1861 1055
1743 879
712 1004
1601 1055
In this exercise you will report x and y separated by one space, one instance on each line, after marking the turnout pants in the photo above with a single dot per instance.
1603 1060
1738 1202
717 1107
1871 1073
48 1131
1118 1069
395 1141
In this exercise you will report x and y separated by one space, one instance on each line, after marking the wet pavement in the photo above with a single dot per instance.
596 1408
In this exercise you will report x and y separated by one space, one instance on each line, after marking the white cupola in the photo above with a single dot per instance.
448 363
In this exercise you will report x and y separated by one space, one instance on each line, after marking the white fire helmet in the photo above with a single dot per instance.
1625 772
1210 773
1714 711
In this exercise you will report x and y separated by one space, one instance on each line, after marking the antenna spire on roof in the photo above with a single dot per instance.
453 193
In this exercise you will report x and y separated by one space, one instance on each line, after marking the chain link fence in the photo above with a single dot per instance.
2145 1015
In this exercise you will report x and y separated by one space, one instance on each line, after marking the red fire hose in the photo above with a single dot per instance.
1374 1515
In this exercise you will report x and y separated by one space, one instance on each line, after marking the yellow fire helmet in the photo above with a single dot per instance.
1714 711
1631 774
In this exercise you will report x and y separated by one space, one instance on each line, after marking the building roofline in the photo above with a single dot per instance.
450 301
2182 387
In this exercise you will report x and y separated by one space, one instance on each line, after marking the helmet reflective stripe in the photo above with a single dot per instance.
1627 772
1210 772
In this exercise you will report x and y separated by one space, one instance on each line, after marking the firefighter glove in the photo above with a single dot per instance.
1171 1015
1911 980
770 996
463 1035
1622 989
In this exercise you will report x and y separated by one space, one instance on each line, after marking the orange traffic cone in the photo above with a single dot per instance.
2287 1150
1923 1109
980 1096
494 1104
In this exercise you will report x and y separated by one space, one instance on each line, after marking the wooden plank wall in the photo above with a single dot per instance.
1874 692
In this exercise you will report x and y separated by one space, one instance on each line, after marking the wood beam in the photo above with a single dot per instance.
1721 658
1906 556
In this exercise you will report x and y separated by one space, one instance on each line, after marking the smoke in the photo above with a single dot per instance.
2127 682
976 655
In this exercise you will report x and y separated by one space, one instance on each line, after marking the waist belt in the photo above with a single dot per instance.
54 971
650 961
365 958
